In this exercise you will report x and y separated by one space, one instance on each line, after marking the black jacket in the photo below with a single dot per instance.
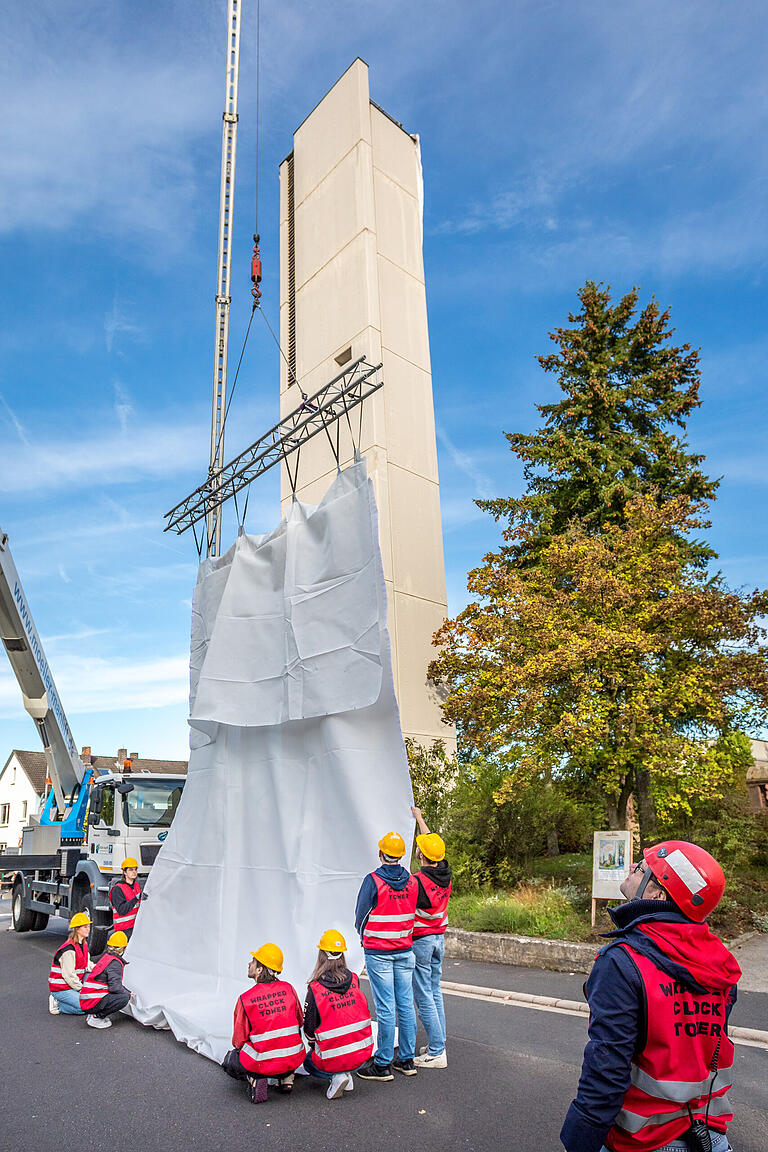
311 1013
439 874
120 902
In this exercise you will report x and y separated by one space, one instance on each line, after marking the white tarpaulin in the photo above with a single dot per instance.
297 766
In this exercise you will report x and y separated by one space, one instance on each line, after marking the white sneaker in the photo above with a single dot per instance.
427 1061
350 1084
336 1086
53 1005
98 1022
424 1048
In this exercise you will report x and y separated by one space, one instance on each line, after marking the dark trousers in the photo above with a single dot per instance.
109 1004
233 1067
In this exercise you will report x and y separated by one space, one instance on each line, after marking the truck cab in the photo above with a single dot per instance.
129 815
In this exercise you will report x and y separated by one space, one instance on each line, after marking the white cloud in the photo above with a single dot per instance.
96 684
123 406
483 485
15 422
152 450
107 122
116 323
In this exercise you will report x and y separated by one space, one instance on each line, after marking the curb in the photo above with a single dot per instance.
518 997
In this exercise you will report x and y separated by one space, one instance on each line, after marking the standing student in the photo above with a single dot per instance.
386 906
70 964
266 1040
125 897
337 1023
434 881
659 1061
103 993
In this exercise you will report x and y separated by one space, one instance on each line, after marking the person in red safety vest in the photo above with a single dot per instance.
384 917
337 1023
103 993
267 1042
125 897
659 1063
434 881
69 967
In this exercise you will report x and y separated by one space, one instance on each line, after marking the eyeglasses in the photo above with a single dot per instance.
638 867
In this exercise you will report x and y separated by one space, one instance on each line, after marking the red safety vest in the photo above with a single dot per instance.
344 1039
390 924
56 981
274 1046
674 1068
95 986
432 921
125 923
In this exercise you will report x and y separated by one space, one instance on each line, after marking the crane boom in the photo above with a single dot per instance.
30 667
226 210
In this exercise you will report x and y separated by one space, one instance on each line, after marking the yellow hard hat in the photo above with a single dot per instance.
332 941
129 862
432 846
392 845
270 956
79 919
117 940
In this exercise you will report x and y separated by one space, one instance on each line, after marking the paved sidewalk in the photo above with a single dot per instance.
752 955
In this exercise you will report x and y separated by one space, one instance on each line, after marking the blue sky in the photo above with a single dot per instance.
561 141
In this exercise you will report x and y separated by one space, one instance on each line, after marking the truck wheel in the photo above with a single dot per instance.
23 919
41 921
98 936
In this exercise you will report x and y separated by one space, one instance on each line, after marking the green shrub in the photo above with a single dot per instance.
529 910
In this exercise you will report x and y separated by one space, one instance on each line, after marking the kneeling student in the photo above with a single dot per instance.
103 993
267 1032
69 968
337 1023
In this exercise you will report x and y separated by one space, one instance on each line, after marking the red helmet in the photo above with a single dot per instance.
693 878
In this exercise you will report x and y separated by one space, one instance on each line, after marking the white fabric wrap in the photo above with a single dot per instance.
297 766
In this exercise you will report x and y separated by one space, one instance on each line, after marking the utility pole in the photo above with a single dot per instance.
226 211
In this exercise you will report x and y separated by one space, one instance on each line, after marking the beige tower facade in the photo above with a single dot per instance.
352 284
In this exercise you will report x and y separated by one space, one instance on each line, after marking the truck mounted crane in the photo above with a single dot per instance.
89 822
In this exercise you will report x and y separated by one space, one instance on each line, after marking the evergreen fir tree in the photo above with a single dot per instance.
619 431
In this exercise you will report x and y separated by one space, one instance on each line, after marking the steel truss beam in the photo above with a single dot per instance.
345 392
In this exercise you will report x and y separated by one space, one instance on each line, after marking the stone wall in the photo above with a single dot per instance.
527 951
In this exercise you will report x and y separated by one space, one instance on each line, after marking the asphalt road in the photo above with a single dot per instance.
511 1076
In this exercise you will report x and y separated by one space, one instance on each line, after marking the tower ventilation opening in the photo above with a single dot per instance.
291 277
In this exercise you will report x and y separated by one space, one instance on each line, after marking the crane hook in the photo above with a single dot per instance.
256 271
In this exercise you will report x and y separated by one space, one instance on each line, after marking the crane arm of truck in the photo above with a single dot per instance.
30 667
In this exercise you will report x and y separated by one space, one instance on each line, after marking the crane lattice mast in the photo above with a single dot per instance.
226 210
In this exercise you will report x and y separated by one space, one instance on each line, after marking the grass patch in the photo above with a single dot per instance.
554 901
528 910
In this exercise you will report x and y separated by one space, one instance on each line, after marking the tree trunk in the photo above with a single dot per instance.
553 843
616 806
624 796
646 809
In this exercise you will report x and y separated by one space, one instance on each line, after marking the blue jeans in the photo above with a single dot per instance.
312 1068
429 952
391 978
320 1073
719 1144
68 1002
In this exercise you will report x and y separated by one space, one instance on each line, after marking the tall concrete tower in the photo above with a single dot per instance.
352 284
